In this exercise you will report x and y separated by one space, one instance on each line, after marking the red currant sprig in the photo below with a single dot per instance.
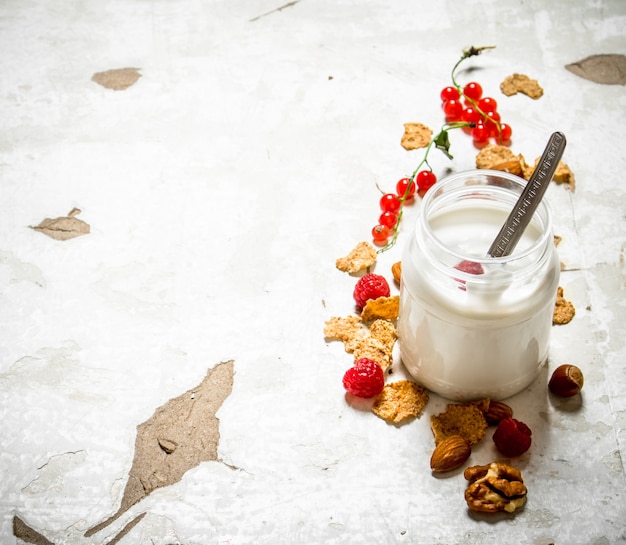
464 108
469 105
385 233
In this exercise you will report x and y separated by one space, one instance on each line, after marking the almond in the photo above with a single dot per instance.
396 271
449 454
497 411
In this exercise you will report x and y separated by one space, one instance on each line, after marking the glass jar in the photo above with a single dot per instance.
471 325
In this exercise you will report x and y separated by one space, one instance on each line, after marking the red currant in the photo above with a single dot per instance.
470 115
405 188
473 90
488 104
388 219
380 234
390 203
448 93
480 133
491 122
425 179
365 379
505 133
493 116
453 109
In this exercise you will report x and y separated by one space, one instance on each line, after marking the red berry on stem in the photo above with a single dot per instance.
380 234
405 188
388 219
480 134
448 93
425 180
493 116
473 90
370 286
453 109
491 122
365 379
488 104
505 133
512 437
390 203
470 115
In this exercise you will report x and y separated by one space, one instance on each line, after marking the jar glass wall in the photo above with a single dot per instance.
471 325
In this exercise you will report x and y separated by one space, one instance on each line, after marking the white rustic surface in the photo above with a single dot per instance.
220 189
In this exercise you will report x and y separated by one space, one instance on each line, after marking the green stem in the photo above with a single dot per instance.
467 53
441 134
471 52
424 160
440 140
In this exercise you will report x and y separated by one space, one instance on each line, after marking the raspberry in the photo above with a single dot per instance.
512 437
470 267
365 379
370 286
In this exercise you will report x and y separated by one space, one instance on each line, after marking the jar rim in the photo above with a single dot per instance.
480 178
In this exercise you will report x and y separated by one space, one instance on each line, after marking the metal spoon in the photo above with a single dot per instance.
524 208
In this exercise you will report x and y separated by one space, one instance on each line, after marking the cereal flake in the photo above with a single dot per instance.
521 83
416 135
400 401
562 175
362 256
466 420
564 310
382 307
372 348
497 157
385 332
344 329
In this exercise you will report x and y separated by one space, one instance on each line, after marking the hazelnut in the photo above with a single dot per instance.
450 453
497 411
566 381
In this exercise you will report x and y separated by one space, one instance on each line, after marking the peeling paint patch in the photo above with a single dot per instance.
51 473
606 69
118 79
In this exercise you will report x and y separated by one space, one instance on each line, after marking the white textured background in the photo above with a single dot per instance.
220 189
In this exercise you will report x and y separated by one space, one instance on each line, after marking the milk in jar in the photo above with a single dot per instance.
470 325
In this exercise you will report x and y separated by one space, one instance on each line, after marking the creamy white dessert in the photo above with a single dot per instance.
467 335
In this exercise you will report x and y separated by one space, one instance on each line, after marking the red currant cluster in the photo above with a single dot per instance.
465 108
391 204
469 106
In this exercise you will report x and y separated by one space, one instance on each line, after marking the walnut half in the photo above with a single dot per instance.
494 487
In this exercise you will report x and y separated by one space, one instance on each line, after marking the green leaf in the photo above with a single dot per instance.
442 142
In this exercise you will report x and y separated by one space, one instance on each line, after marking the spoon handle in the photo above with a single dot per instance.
524 208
